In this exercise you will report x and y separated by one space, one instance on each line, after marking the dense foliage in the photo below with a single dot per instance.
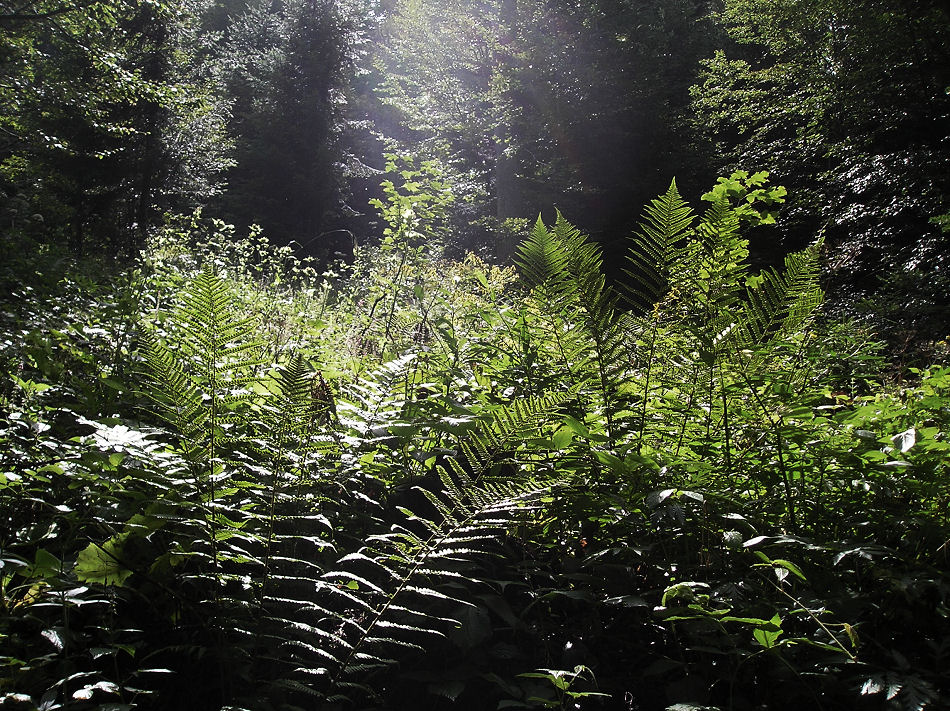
116 113
533 104
848 103
302 404
230 482
105 118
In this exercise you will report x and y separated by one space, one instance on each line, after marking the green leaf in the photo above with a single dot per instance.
767 635
789 566
45 565
576 426
562 439
102 564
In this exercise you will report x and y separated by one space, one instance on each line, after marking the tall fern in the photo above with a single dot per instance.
704 317
777 307
296 427
666 221
198 375
261 449
564 270
651 257
385 599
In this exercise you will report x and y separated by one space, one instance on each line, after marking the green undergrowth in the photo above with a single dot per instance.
228 481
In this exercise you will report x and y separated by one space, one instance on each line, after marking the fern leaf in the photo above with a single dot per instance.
666 221
541 258
781 302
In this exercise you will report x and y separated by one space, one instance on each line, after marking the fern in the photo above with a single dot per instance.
778 304
251 443
292 432
709 275
378 398
666 221
715 321
564 269
199 386
542 259
385 599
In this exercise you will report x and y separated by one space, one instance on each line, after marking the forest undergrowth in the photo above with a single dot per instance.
228 481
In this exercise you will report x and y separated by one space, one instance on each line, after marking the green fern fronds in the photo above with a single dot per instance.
565 272
387 598
778 304
201 368
200 386
666 221
407 610
301 405
712 268
291 433
176 396
377 399
542 258
602 320
506 427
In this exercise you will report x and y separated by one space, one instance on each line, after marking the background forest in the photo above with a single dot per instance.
388 354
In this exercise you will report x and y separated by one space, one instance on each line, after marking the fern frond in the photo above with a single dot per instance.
214 354
174 392
507 425
565 271
666 220
541 258
779 303
377 399
388 595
